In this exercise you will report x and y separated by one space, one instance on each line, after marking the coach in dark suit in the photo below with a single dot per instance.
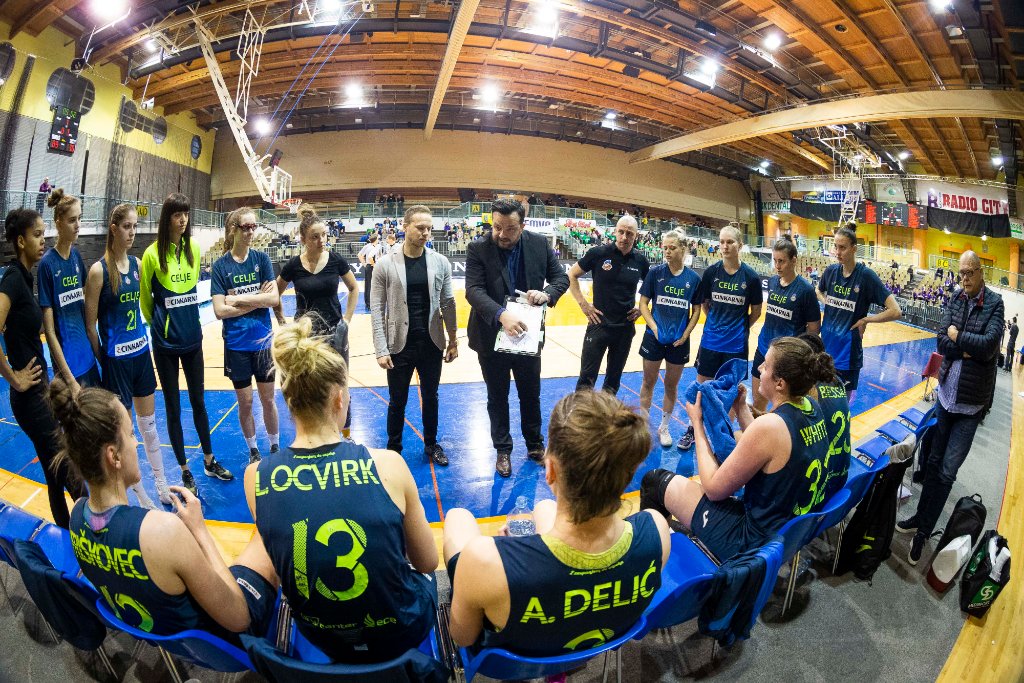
498 264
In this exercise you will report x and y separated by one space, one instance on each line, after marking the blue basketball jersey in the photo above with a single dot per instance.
672 297
835 408
252 331
847 300
61 289
122 329
337 541
728 297
108 551
789 310
563 600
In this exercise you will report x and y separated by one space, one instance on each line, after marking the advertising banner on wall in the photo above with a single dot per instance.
775 207
1016 229
577 223
543 226
988 201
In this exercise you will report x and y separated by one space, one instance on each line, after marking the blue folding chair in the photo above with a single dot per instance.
306 662
56 543
873 448
797 533
685 581
915 417
198 647
895 431
504 665
15 524
57 599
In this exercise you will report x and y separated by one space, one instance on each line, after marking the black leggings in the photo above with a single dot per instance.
33 414
167 370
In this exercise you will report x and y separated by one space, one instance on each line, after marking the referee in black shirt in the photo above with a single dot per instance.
617 269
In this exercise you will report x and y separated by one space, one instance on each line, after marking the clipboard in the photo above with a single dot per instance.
532 342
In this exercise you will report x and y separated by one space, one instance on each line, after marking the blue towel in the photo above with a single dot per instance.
718 396
731 607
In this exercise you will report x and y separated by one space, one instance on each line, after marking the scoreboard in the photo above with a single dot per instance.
885 213
64 131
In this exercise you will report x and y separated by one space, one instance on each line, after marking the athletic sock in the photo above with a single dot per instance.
275 439
664 421
250 441
151 444
144 499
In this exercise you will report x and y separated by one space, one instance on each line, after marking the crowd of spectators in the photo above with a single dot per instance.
554 200
391 203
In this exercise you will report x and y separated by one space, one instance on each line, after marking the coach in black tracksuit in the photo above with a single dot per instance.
617 270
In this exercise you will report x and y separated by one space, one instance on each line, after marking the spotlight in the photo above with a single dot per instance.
262 126
939 5
610 116
765 163
903 156
709 66
489 94
984 238
997 161
110 10
773 41
354 91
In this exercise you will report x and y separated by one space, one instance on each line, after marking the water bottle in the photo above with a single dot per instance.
520 520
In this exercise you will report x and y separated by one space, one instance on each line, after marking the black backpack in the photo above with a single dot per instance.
867 539
968 518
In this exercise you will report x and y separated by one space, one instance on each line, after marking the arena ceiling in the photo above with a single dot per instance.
617 73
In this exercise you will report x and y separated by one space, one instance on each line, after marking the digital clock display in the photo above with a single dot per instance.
64 131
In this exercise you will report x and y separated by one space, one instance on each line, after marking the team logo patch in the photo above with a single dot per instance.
687 285
76 268
127 280
607 265
257 269
743 285
793 298
856 289
135 274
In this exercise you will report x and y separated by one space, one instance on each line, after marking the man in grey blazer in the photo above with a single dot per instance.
506 260
411 307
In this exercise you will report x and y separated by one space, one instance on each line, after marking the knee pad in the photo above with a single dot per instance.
652 490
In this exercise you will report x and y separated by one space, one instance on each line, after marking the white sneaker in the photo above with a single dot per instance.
162 491
664 436
144 499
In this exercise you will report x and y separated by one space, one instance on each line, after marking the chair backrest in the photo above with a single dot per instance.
15 524
56 543
795 534
274 665
198 647
835 510
772 552
685 582
53 597
859 484
927 423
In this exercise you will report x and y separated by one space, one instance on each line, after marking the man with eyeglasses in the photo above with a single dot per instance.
968 339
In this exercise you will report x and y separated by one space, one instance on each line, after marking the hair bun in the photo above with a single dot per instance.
55 197
64 401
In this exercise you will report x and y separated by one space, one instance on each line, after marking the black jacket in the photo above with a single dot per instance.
980 330
487 283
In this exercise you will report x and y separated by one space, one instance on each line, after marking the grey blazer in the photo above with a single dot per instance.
389 310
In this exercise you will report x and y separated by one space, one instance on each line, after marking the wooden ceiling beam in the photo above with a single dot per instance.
456 37
913 105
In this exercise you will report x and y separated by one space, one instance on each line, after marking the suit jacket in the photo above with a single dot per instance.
487 283
389 309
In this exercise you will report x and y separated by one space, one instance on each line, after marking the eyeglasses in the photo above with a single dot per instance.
248 227
968 273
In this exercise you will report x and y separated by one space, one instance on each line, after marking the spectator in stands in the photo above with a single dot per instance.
512 591
174 578
386 576
894 265
389 246
616 270
411 308
44 191
968 339
938 273
779 473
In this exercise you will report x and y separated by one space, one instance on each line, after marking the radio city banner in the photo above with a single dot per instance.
988 201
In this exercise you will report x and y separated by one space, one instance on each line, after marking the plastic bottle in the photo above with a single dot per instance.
520 520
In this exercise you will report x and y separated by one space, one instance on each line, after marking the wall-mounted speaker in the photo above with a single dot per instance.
631 71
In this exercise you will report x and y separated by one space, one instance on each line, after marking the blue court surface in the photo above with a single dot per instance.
470 480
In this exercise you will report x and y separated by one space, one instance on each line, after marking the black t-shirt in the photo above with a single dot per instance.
615 280
317 292
417 293
24 319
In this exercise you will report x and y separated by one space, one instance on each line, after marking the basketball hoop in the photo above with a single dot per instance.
292 204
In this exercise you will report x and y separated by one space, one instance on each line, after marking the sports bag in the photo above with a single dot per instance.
968 518
986 574
867 539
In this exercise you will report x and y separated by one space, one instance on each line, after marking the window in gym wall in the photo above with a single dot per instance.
66 89
6 61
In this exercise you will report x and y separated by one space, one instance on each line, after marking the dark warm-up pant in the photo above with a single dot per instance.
34 416
614 340
167 370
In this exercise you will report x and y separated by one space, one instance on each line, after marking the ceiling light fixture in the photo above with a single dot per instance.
709 66
489 94
354 91
610 116
773 41
939 5
109 10
903 156
997 161
765 163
